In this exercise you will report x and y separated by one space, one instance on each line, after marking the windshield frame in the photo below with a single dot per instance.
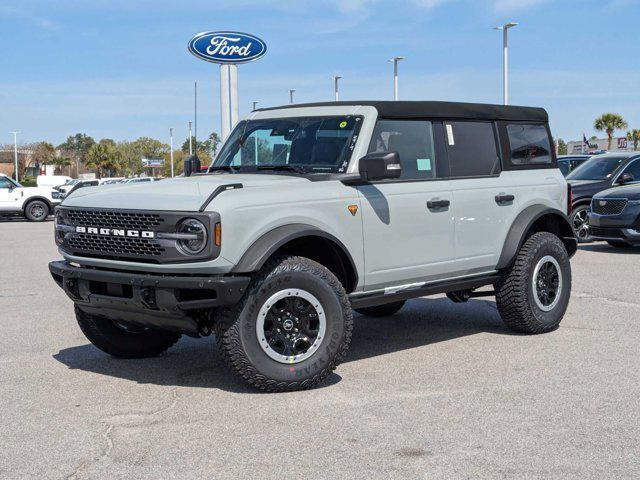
340 167
592 161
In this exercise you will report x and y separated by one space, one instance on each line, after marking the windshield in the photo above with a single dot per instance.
300 144
596 168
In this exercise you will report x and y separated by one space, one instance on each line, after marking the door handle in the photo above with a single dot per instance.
434 204
502 199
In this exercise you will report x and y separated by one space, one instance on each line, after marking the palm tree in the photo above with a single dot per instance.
609 122
634 136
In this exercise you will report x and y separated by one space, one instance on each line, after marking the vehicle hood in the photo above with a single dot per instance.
184 194
587 187
630 192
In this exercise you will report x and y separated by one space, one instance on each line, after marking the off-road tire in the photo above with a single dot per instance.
616 244
111 339
381 310
239 346
39 206
515 292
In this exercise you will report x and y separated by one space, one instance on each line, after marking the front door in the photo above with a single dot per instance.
7 194
407 223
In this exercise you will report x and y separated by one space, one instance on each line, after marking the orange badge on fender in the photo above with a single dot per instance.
353 209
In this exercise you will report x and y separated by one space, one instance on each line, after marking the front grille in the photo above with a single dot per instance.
101 218
118 246
608 206
606 232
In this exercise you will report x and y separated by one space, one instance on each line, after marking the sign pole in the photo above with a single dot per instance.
233 96
224 102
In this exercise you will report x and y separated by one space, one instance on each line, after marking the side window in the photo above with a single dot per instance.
634 169
413 140
4 183
472 149
529 144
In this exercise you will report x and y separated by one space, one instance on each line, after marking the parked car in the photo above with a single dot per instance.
35 203
346 206
66 187
111 181
568 163
599 173
615 216
83 184
51 181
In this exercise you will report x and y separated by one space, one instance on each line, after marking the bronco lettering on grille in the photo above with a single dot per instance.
116 232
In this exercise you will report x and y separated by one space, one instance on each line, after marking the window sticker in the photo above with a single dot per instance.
450 134
424 164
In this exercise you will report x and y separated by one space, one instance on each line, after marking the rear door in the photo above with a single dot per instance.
484 205
408 222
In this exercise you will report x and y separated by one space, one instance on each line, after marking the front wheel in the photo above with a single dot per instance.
36 211
290 330
124 340
580 221
534 294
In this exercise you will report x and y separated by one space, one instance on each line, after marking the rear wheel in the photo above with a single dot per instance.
534 294
124 340
36 211
580 223
381 310
290 330
616 244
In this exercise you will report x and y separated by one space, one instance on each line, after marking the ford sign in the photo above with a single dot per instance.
227 47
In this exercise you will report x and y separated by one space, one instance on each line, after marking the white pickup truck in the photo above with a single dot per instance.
35 203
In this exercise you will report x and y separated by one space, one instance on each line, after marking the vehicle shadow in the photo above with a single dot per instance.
193 363
17 218
606 248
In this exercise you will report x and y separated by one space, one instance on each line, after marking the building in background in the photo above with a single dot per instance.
618 144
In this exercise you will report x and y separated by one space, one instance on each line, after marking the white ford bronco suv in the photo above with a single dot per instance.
312 211
35 203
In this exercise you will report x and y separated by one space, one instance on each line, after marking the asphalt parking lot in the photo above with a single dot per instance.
437 391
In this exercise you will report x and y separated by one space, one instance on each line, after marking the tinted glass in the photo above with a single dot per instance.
530 144
4 183
564 166
596 168
413 140
634 169
472 149
313 144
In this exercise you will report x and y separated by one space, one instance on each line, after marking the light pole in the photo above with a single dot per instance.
505 60
15 153
171 146
335 86
291 92
255 104
395 61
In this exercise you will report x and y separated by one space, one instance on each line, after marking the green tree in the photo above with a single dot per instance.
62 162
133 152
634 136
104 157
210 145
562 147
609 123
78 146
44 153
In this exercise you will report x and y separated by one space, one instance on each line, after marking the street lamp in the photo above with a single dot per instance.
505 59
291 92
171 146
335 86
15 153
395 61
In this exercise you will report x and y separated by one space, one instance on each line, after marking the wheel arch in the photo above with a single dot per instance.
536 218
37 197
306 241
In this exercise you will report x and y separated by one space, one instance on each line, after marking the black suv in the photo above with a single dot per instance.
615 216
599 173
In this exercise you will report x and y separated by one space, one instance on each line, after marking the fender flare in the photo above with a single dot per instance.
259 252
523 223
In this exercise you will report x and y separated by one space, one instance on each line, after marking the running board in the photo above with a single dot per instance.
392 294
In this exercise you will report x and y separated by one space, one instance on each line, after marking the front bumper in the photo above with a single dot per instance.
166 302
624 227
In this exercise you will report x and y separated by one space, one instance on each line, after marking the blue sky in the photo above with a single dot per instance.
120 69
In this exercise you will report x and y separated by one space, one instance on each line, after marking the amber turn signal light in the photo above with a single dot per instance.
218 234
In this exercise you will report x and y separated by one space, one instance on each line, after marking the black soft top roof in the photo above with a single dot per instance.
420 109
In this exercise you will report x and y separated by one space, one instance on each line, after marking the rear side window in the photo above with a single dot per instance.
472 149
413 140
529 144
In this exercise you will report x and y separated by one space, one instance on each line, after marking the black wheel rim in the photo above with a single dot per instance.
291 325
547 283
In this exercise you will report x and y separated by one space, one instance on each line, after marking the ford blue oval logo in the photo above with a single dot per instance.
227 47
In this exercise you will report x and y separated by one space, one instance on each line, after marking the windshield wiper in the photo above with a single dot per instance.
288 168
228 168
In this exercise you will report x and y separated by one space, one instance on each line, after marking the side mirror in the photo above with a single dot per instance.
626 178
380 166
191 165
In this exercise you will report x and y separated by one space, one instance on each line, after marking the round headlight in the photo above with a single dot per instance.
195 236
